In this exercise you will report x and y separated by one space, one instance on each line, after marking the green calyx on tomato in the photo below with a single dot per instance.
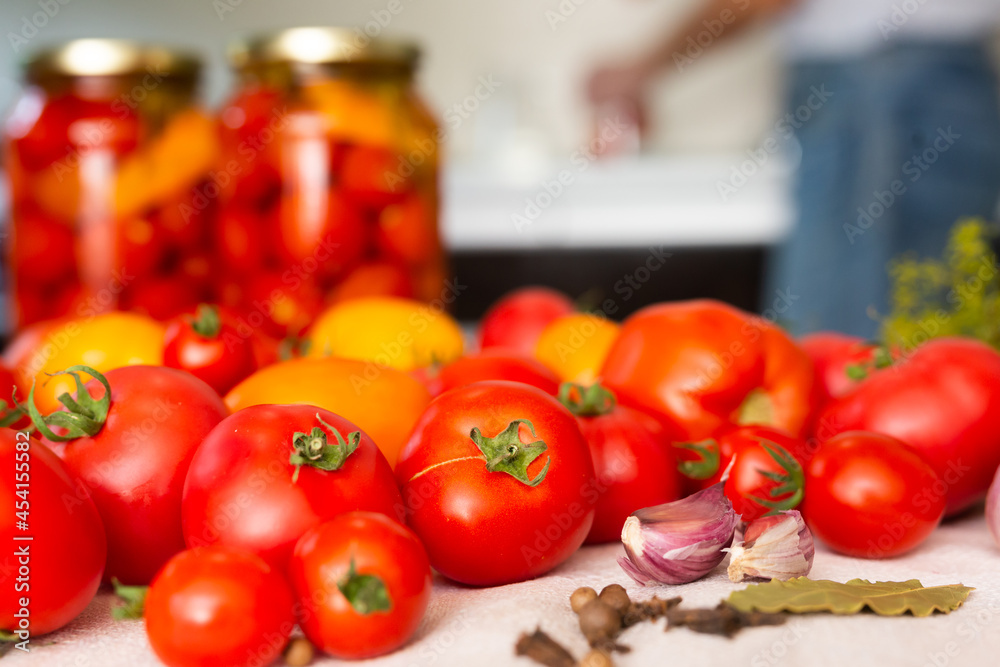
881 358
314 449
84 416
206 322
134 598
10 414
791 480
506 453
707 463
366 592
592 401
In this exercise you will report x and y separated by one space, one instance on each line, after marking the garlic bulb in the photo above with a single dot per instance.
773 547
678 542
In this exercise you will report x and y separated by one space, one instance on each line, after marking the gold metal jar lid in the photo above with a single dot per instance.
322 46
109 57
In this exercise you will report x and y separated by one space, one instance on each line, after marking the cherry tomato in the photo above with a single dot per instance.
104 341
287 467
517 320
705 365
407 231
495 364
357 390
136 457
218 607
765 475
44 248
163 298
501 469
209 347
943 400
282 303
324 233
373 279
835 358
869 496
371 176
633 463
575 346
401 333
240 240
42 500
363 582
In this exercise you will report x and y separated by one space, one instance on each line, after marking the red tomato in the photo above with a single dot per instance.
134 465
704 462
163 298
8 388
239 240
766 474
44 248
60 568
408 231
495 364
944 402
363 582
517 320
242 478
218 607
501 469
705 365
209 347
373 279
283 303
633 462
371 176
834 356
869 496
325 233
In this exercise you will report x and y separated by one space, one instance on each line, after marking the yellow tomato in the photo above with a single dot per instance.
383 402
103 342
574 346
399 333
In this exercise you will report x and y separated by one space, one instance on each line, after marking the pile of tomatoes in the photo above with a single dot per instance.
256 494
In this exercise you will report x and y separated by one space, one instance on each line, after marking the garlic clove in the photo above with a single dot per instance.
774 547
678 542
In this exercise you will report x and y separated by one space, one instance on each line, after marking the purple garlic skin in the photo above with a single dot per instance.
993 508
678 542
773 547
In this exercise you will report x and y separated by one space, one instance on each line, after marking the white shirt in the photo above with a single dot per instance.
844 28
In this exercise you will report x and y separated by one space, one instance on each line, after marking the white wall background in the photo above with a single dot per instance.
722 103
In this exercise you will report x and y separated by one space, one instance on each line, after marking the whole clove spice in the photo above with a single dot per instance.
722 620
649 610
543 649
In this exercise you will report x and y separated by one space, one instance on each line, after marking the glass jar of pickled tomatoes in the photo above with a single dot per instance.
107 159
329 178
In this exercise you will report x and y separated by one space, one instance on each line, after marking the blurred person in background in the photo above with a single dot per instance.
896 108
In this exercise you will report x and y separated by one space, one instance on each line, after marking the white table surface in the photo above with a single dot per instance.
480 626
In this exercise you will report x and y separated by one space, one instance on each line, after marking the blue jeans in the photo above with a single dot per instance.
907 142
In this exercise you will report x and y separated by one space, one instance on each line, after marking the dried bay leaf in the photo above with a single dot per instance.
886 598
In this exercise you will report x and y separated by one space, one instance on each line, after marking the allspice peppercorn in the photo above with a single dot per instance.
580 597
614 596
600 623
596 658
